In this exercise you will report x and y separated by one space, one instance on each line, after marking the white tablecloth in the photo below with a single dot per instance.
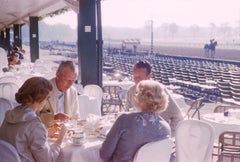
94 137
222 123
88 152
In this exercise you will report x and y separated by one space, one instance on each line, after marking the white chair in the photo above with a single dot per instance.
3 61
158 151
194 141
90 101
8 152
8 78
3 58
93 91
85 107
8 90
4 106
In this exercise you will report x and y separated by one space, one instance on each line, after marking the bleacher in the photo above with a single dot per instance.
192 77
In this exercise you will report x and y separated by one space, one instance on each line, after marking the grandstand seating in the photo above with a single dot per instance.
192 74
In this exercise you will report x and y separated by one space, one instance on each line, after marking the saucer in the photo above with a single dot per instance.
79 143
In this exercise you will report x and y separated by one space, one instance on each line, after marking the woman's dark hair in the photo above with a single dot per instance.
35 89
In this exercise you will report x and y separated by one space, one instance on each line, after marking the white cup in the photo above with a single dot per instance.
77 139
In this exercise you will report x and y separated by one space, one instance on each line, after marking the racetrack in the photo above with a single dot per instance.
223 54
220 53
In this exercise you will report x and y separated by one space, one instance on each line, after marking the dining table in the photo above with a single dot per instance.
88 151
223 122
94 130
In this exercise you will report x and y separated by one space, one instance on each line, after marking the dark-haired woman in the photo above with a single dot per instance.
23 128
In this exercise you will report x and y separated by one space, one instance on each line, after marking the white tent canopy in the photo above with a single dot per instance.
19 11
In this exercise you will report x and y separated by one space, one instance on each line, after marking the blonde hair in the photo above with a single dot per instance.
151 96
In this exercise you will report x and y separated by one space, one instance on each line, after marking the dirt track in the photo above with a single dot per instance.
222 54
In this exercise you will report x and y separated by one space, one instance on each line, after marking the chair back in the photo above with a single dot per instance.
112 102
8 90
112 91
4 106
195 108
94 91
90 102
8 78
194 141
88 106
3 58
8 152
158 151
229 146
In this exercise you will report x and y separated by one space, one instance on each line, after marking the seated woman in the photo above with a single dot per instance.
24 129
13 60
18 51
131 131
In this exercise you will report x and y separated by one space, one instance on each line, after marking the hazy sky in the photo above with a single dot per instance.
136 13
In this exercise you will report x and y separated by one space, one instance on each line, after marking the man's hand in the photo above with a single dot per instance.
61 117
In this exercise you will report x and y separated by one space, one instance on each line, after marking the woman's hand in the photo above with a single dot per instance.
62 132
53 128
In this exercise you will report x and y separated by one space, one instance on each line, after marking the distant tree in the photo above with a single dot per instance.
173 29
238 27
164 28
194 30
213 29
225 30
238 30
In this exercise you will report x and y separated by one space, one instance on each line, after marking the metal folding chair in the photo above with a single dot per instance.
112 102
195 108
229 147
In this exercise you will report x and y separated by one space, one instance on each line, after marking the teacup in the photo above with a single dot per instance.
77 139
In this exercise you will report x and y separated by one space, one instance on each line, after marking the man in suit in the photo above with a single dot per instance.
63 101
142 70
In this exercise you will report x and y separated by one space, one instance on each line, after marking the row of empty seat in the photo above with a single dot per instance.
194 70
